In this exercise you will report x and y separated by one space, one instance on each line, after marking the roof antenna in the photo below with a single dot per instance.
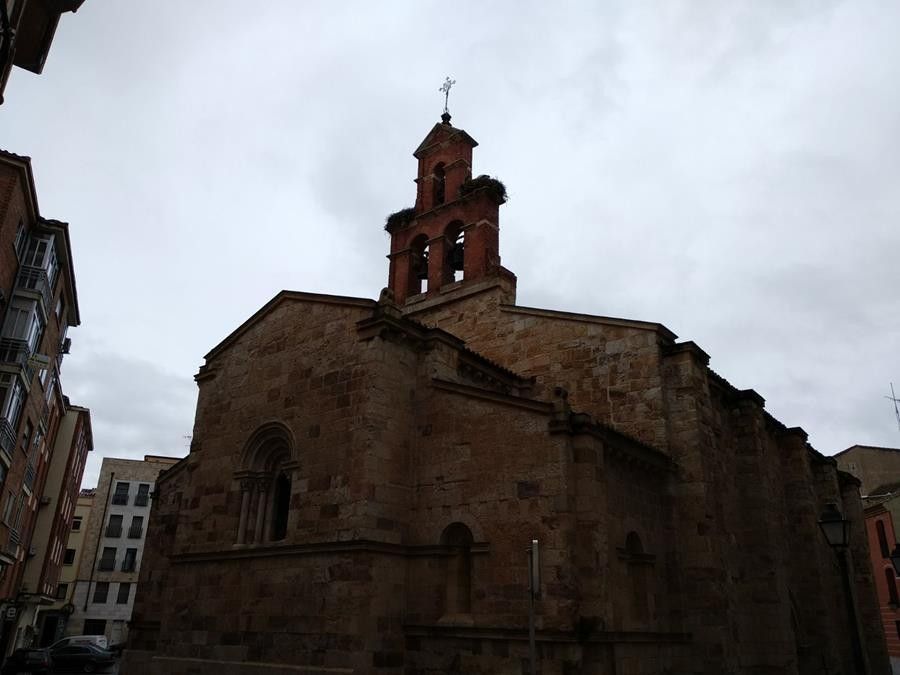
896 400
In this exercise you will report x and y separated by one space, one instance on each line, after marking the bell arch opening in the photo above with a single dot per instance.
418 251
454 265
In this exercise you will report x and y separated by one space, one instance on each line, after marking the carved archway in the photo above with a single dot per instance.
267 465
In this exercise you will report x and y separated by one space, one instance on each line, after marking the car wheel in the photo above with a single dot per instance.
89 668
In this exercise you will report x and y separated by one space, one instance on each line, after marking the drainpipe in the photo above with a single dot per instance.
109 493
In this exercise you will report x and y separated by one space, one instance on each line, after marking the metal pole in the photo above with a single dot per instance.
532 650
858 659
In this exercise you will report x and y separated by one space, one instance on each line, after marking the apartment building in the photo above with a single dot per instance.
39 619
38 305
26 32
113 547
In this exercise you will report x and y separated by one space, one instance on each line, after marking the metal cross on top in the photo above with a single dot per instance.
446 89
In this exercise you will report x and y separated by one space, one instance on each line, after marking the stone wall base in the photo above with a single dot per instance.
138 662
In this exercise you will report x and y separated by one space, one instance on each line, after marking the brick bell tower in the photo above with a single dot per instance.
450 238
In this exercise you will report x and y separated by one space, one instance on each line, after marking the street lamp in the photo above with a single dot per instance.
836 529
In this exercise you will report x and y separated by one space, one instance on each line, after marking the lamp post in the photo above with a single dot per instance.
836 529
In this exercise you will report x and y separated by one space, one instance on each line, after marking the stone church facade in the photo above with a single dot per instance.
366 475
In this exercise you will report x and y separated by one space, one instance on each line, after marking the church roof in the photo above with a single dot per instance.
439 133
281 297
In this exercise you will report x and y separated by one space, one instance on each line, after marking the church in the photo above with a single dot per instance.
366 479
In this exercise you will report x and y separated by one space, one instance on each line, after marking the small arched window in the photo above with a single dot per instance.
439 184
281 503
882 539
639 570
458 538
890 576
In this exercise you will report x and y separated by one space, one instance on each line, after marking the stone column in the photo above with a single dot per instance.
246 487
262 488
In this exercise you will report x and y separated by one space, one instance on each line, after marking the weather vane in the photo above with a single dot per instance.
446 89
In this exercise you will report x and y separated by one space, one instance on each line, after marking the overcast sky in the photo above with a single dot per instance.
729 169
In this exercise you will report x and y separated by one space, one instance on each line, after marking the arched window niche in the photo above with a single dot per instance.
267 468
457 539
640 579
439 185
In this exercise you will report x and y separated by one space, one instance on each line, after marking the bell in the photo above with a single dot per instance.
457 257
421 267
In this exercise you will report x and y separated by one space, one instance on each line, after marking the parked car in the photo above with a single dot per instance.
34 661
81 659
96 640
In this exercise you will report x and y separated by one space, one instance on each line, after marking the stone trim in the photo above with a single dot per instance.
493 396
521 634
270 550
658 328
279 667
282 296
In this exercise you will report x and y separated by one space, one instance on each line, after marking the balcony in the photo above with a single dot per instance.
113 531
135 532
7 438
141 500
17 353
14 352
107 564
120 499
36 279
129 565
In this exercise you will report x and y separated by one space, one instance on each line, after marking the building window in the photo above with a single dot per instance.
143 495
94 626
108 559
69 557
20 239
891 578
24 323
136 530
124 593
101 591
12 398
9 508
76 524
120 496
114 527
882 539
61 591
458 598
130 562
26 435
